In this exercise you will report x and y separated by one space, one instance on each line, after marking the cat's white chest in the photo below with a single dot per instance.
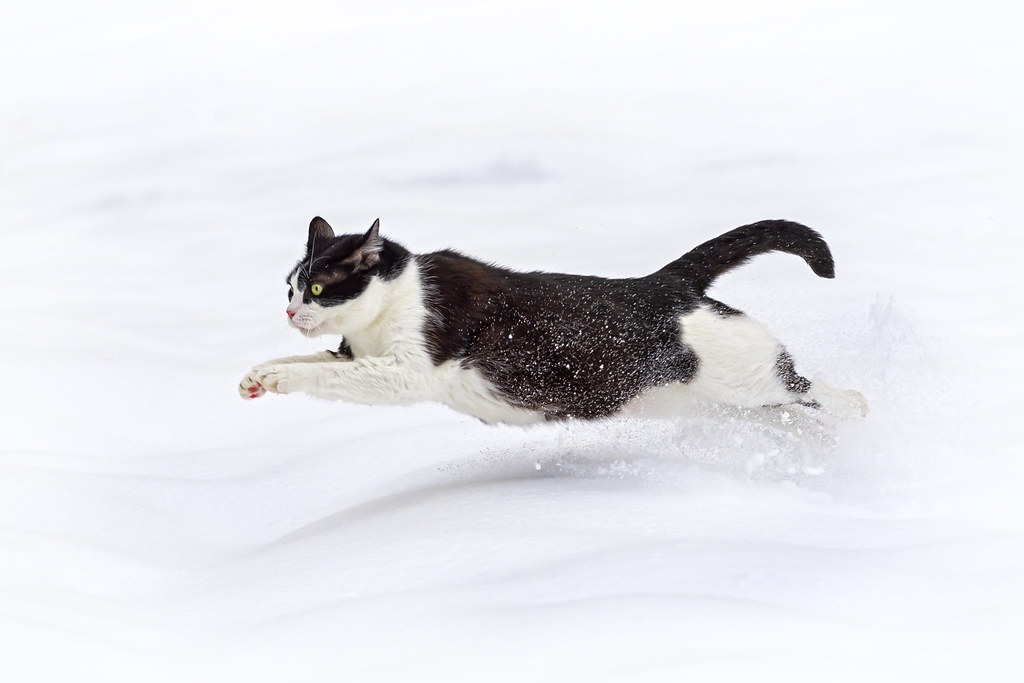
396 335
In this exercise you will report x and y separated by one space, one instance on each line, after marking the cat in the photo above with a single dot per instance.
520 348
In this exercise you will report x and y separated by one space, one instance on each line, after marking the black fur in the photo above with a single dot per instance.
719 308
345 264
565 345
701 265
579 346
344 351
569 346
787 373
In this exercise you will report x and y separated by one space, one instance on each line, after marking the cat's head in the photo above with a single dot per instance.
334 288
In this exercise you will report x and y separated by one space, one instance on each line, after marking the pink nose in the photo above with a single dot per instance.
291 313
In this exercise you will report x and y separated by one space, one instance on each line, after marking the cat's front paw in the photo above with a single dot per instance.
250 387
279 379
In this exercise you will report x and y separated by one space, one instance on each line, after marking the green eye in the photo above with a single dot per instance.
316 289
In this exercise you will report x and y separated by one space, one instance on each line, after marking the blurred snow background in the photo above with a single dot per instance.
158 167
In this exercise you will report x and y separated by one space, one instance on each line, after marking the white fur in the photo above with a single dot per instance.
843 403
737 360
466 390
384 328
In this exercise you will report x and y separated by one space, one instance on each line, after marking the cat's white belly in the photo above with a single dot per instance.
466 390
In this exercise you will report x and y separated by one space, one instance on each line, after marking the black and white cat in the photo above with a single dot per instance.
519 348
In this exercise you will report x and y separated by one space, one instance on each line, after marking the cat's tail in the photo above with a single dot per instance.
700 266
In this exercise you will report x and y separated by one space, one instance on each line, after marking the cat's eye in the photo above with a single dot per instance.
291 293
317 289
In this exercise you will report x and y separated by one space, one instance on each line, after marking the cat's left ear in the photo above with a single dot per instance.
320 232
367 254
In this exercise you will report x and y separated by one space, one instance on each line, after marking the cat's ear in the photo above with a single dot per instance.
367 254
320 232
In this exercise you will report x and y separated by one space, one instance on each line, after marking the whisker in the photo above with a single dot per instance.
312 250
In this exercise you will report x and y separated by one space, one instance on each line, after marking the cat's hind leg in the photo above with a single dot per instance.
739 362
846 404
842 403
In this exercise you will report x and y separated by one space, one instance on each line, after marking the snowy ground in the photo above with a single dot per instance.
158 168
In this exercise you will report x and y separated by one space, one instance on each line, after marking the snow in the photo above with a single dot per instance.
158 168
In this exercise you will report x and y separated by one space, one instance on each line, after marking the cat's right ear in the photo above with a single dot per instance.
320 232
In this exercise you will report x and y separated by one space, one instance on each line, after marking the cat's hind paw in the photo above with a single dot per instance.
846 404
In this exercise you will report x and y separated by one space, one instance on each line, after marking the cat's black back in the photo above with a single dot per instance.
582 346
565 345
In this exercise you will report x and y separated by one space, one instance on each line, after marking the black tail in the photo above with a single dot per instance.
702 265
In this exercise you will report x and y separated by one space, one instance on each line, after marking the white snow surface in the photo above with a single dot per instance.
158 168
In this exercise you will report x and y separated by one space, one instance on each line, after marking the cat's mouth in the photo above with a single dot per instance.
312 330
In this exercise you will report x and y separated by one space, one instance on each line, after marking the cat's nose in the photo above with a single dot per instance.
291 313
